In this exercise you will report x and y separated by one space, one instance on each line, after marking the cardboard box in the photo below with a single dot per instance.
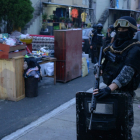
7 51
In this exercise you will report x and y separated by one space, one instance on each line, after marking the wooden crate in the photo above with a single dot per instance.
11 79
7 52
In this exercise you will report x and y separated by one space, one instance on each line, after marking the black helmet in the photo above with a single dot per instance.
111 27
126 21
94 26
99 25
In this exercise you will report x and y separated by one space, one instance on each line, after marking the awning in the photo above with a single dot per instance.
67 5
129 10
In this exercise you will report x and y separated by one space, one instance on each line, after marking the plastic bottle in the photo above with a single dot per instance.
88 65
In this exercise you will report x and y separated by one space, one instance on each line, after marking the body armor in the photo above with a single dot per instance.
115 60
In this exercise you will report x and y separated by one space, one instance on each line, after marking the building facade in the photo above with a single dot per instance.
98 11
50 6
107 11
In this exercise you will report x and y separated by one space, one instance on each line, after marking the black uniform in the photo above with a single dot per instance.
93 51
121 67
107 39
124 71
96 43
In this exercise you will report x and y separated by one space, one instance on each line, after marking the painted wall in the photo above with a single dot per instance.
105 26
134 4
120 2
123 4
101 5
35 28
82 3
34 2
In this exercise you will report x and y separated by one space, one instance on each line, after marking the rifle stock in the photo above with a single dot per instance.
97 82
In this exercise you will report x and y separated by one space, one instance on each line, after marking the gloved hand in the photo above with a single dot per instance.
103 93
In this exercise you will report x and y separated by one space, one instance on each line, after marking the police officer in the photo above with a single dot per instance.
96 43
121 73
92 35
110 36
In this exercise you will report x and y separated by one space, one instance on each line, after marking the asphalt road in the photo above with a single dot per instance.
15 115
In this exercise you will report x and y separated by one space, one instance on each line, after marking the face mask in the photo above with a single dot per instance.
99 30
124 35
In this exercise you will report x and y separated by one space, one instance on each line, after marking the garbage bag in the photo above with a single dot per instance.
49 68
84 67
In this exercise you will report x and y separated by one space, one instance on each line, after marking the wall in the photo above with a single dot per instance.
35 28
106 26
134 4
124 6
101 5
94 12
34 2
72 2
121 2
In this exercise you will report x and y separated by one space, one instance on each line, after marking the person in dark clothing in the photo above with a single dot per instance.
92 33
110 36
96 43
93 50
122 74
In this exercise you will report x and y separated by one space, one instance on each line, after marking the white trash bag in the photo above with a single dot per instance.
43 71
49 68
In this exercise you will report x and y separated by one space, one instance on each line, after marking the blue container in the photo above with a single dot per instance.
88 65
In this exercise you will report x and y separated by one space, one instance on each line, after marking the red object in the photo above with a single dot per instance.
7 51
29 47
68 51
74 13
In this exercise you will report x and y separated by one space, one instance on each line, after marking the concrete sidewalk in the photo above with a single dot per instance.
60 124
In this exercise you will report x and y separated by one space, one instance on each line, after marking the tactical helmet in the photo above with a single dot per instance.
126 21
99 25
94 26
111 27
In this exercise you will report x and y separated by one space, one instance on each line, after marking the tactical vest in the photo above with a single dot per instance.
99 39
113 64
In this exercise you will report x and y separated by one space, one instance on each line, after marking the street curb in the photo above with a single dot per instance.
17 134
20 132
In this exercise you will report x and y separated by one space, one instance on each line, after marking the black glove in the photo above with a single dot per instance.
103 93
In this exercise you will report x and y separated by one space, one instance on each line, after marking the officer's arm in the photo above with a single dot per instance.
124 77
113 86
112 40
113 34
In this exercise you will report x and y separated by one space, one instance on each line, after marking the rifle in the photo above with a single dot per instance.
97 82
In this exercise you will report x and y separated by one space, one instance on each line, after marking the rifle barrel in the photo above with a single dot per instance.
93 100
90 122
